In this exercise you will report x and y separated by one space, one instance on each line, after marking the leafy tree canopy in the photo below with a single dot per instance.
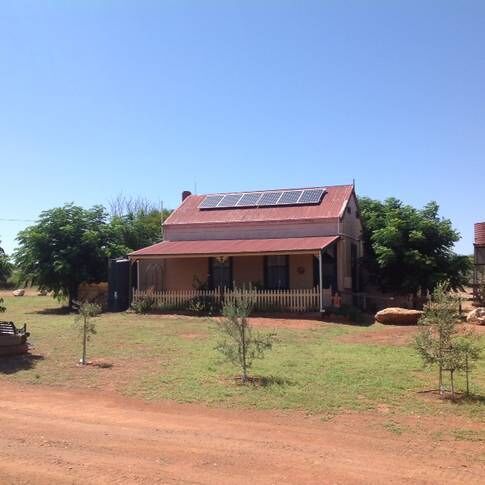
407 248
68 245
136 222
138 230
5 266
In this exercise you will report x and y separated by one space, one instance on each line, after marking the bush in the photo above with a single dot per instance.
350 312
87 328
239 343
439 342
203 305
167 308
145 304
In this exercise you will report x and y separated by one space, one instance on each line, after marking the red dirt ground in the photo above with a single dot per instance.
298 322
51 435
390 335
397 334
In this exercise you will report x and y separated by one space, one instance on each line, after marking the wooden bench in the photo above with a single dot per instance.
13 340
9 328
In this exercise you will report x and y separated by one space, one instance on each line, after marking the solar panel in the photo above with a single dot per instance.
290 197
210 201
311 196
269 198
249 200
229 200
263 199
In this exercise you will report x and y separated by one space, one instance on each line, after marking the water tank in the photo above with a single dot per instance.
118 285
480 234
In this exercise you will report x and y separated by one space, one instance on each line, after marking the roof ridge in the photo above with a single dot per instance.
325 187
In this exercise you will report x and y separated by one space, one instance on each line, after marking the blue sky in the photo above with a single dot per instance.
147 98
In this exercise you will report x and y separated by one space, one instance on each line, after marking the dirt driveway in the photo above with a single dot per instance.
51 435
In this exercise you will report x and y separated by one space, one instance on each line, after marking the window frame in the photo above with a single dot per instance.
284 268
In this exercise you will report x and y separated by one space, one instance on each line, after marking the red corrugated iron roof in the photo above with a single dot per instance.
216 247
331 207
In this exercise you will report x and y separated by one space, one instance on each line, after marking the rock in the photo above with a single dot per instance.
19 292
476 316
42 293
398 316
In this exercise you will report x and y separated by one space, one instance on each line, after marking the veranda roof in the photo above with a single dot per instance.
230 247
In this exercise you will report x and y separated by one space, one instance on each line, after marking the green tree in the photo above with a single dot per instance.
407 249
87 328
439 342
5 266
240 344
69 245
137 222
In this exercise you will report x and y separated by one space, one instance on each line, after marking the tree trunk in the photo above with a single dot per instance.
440 384
452 385
85 342
72 293
244 363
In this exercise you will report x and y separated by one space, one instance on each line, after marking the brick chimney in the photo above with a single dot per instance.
185 194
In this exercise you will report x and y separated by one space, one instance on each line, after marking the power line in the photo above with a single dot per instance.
16 220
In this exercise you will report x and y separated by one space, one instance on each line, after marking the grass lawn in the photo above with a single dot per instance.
172 357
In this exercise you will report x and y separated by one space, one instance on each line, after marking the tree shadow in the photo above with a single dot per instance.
14 363
469 399
310 316
460 397
63 310
101 364
362 320
263 381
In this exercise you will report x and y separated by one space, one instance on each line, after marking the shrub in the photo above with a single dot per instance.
203 305
350 312
145 304
87 328
240 344
438 342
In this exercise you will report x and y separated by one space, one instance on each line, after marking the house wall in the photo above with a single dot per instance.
183 274
248 270
351 225
180 273
251 230
344 276
150 273
351 233
301 271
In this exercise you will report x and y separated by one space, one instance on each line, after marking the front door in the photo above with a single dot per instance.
221 272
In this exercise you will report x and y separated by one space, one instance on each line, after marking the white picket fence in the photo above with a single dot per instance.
304 300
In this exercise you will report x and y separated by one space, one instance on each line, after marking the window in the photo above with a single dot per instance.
221 272
276 272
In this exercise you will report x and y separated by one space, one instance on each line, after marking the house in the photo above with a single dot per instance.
286 241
